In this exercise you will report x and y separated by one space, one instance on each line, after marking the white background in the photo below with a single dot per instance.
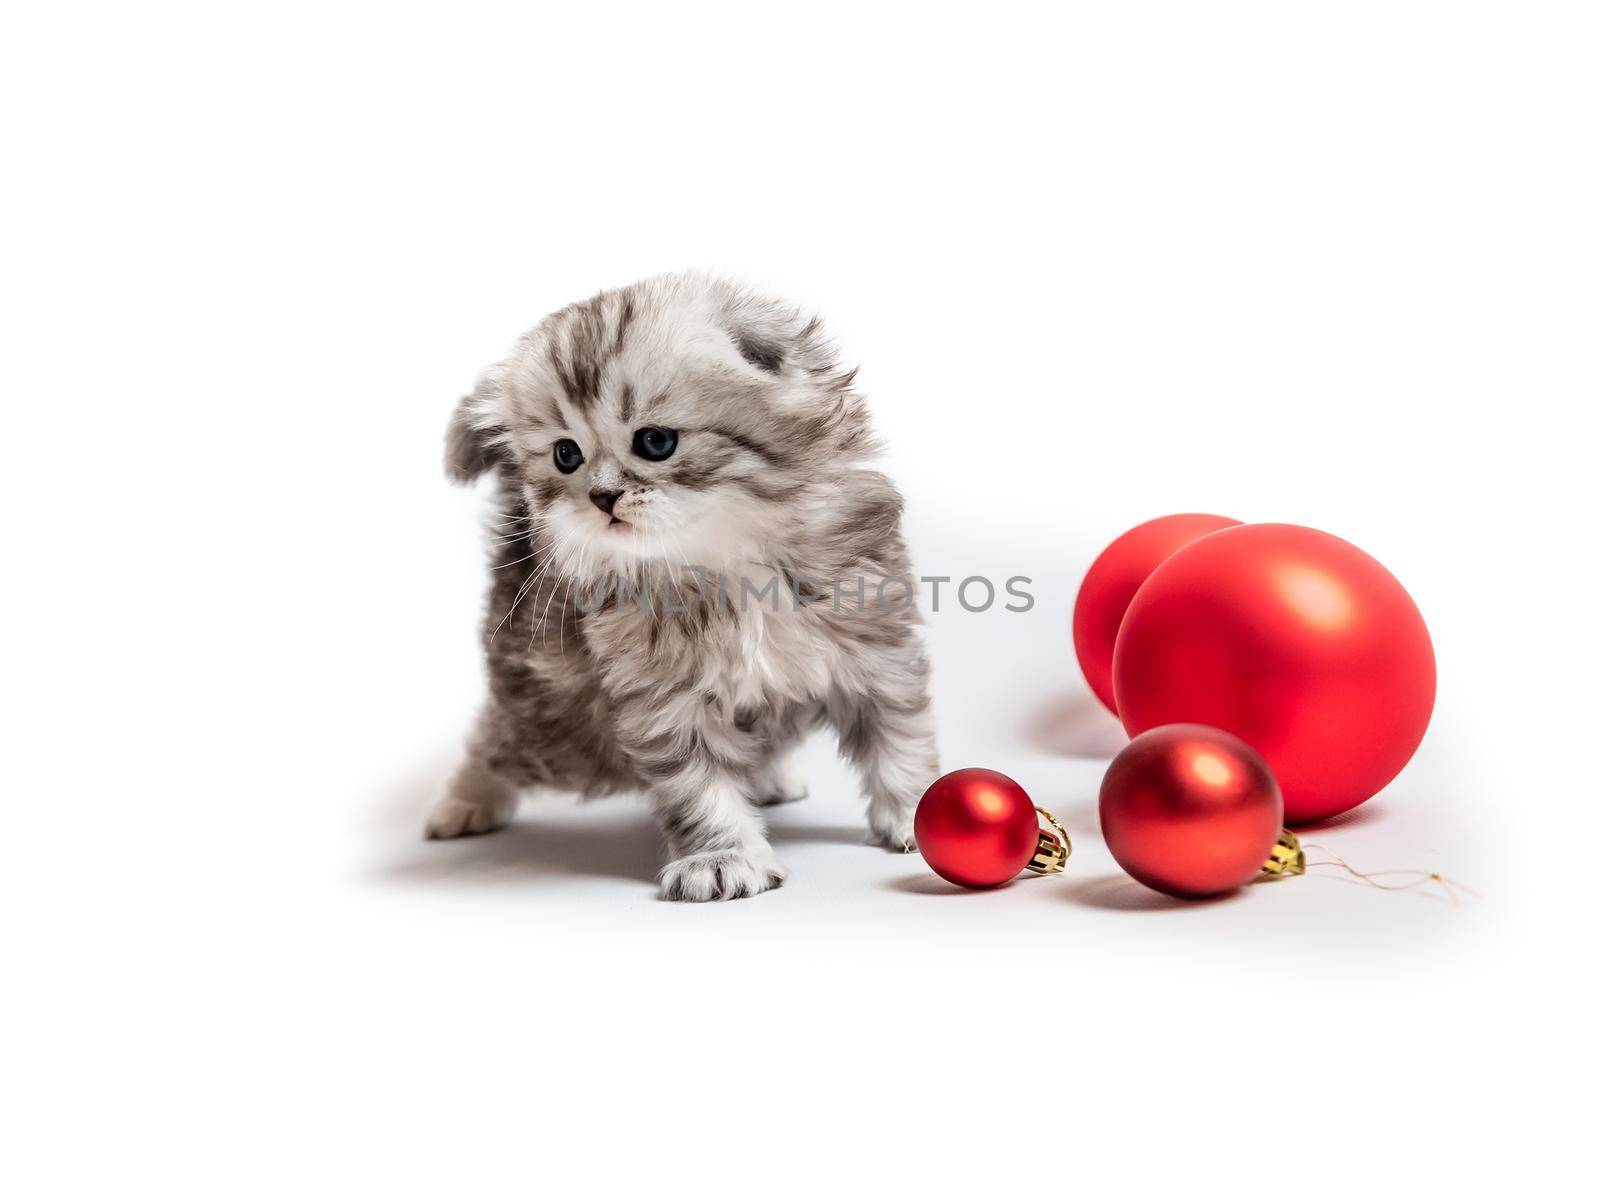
1329 264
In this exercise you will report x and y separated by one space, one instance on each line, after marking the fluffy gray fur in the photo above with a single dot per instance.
695 695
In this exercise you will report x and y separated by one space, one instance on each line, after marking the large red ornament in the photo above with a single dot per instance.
1115 577
1190 811
1296 642
978 828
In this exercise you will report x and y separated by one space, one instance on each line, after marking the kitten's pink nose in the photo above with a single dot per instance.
604 500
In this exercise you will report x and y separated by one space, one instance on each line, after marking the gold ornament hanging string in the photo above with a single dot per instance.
1420 878
1288 858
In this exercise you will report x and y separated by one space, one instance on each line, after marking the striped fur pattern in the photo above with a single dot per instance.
623 652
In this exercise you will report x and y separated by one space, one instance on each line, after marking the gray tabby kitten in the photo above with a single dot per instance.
691 570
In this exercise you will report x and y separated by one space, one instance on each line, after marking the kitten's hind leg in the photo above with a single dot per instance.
477 802
888 735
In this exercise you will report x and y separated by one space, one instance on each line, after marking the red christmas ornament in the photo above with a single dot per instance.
1296 642
1192 811
1115 577
978 828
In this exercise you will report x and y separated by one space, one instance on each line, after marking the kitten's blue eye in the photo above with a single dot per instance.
655 442
568 456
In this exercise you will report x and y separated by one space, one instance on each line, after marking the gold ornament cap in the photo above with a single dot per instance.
1050 856
1286 858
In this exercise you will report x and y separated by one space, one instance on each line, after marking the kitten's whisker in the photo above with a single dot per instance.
562 638
533 579
544 571
507 538
544 567
549 601
512 610
496 568
546 546
519 560
536 552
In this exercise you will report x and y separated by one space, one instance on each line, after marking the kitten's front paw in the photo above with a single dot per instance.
892 827
453 818
719 875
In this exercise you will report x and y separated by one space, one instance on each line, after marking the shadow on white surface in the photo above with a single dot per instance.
556 835
611 847
851 836
1073 723
1121 893
925 883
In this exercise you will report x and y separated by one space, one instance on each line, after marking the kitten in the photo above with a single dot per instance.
691 570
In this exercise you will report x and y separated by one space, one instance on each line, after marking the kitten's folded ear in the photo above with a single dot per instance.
476 441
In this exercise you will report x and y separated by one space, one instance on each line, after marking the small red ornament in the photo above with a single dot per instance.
1296 642
1191 811
978 828
1115 577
